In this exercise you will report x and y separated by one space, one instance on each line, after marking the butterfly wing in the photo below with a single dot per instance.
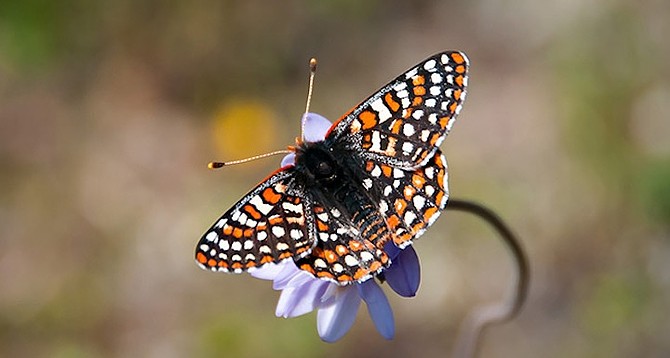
411 200
406 120
344 254
270 224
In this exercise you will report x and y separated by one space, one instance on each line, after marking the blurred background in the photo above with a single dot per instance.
110 111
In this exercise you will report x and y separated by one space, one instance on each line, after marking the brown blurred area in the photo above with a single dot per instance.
109 112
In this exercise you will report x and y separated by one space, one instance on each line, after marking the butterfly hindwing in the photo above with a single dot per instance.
407 119
267 226
345 253
411 200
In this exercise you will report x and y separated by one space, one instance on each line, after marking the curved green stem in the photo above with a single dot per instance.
471 330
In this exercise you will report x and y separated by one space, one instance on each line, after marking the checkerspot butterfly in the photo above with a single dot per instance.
377 178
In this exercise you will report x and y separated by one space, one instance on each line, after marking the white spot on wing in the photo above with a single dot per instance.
367 183
380 107
383 206
409 217
419 201
400 86
424 135
296 234
411 73
366 256
292 207
260 205
351 261
376 171
429 64
212 236
236 215
444 59
408 128
407 147
278 231
376 142
320 263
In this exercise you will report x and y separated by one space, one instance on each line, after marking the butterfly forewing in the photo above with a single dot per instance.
267 226
407 119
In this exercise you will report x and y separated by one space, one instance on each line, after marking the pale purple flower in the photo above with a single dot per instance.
336 305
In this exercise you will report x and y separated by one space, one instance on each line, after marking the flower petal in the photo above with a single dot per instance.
298 300
404 274
391 250
378 307
288 272
269 271
335 319
289 159
315 127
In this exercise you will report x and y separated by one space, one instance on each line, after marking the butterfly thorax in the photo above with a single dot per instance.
337 180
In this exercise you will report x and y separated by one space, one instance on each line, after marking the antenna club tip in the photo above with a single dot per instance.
312 64
215 165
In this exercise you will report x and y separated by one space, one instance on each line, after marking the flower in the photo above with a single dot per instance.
336 305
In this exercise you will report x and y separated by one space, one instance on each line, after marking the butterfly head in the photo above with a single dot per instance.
316 162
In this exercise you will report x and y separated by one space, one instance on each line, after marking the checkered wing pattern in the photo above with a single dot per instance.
411 199
267 226
405 121
344 253
395 185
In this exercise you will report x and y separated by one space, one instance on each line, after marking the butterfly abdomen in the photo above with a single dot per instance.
334 180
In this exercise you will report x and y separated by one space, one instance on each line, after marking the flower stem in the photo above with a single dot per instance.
477 321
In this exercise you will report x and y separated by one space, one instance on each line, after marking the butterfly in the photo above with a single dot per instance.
376 178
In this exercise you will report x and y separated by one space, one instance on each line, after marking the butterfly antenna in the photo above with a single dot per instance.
217 165
312 73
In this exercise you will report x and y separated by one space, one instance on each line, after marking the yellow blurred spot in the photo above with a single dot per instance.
243 128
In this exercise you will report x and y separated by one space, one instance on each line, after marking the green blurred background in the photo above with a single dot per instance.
109 112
